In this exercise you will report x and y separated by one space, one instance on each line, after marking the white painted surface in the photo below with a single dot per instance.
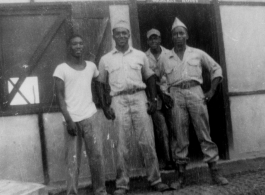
8 187
244 40
14 1
248 126
20 150
54 132
117 13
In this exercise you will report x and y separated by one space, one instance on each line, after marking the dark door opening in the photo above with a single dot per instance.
200 21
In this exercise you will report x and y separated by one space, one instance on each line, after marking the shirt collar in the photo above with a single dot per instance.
148 52
172 53
114 51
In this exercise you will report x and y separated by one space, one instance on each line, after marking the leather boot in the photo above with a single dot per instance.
217 178
181 177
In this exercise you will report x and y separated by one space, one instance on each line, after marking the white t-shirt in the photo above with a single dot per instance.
78 95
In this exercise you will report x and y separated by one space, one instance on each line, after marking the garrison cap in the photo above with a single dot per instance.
177 23
121 24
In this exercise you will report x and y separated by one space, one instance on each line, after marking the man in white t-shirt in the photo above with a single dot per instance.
73 89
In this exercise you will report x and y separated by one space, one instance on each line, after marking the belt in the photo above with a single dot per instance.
128 92
187 84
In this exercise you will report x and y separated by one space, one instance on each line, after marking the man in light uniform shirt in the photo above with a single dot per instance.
73 89
183 70
125 68
164 102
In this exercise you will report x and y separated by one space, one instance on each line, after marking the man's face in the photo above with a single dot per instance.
154 42
121 36
76 47
179 36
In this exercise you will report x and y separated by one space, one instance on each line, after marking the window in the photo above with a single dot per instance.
32 44
28 93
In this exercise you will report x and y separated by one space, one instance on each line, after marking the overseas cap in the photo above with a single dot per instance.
177 23
121 24
152 32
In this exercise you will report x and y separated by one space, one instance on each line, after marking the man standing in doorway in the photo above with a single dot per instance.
183 70
124 69
73 89
164 102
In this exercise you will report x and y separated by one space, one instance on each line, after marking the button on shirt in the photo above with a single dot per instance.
124 71
189 68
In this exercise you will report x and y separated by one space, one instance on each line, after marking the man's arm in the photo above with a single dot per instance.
151 87
108 111
71 126
211 92
101 87
215 74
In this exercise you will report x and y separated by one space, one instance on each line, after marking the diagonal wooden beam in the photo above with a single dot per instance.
100 38
18 90
33 62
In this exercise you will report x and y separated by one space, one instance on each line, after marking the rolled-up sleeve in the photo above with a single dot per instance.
103 74
146 70
214 68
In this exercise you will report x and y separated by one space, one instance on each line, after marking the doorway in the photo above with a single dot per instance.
200 21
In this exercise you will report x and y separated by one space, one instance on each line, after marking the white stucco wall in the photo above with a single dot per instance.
244 42
55 137
248 123
20 150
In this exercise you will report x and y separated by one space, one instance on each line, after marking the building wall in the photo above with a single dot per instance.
242 29
20 149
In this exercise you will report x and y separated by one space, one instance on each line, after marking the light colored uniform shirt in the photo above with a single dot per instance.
156 63
124 71
189 68
78 95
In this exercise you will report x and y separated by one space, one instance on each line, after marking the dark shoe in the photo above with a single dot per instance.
218 178
120 191
180 181
160 187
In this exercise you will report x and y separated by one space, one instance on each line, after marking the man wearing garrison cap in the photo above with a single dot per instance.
183 70
125 69
164 102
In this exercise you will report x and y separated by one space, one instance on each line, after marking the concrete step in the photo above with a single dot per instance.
9 187
246 177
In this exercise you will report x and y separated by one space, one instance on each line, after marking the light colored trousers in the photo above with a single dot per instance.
133 122
189 105
92 136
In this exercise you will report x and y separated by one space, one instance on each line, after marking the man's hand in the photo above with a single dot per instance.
109 113
152 105
71 128
209 95
167 100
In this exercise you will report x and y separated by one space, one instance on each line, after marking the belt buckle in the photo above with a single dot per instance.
132 91
185 85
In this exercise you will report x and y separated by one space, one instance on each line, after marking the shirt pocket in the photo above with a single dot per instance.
115 75
135 71
194 68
